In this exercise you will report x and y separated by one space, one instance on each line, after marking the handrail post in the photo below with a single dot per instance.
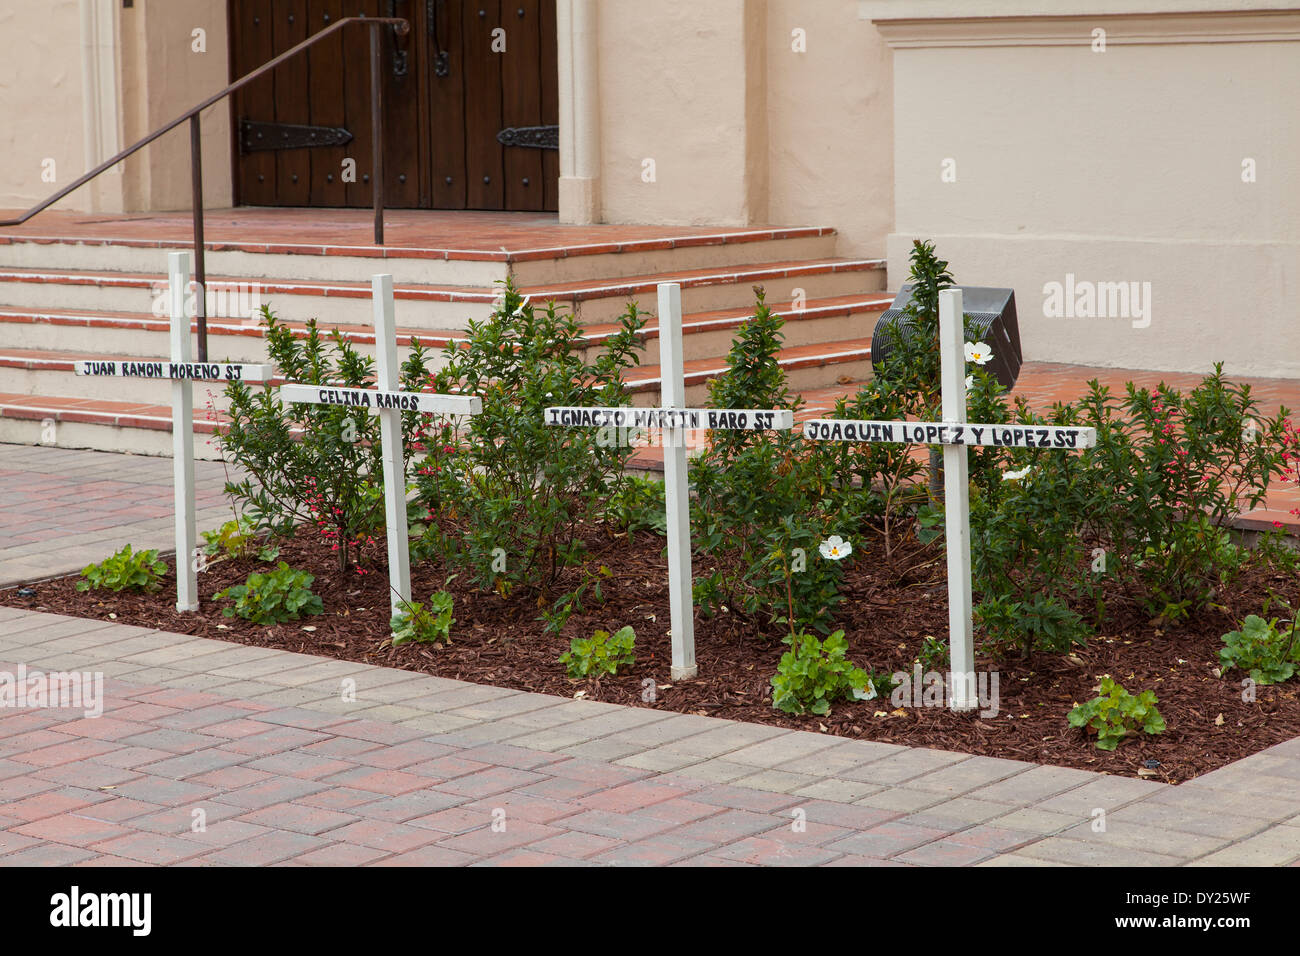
377 133
200 275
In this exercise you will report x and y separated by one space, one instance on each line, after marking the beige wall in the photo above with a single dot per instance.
163 77
1115 166
830 123
673 90
50 102
41 89
742 128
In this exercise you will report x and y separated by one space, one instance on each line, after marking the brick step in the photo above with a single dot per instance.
448 307
146 336
472 261
706 338
97 417
40 372
806 367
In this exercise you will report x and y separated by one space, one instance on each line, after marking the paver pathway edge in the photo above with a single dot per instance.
298 760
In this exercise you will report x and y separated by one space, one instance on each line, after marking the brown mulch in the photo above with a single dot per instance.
499 641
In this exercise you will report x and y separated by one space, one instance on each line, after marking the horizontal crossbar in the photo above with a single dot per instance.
1060 437
378 399
626 416
155 368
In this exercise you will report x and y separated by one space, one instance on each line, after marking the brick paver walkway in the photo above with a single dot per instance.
215 753
61 509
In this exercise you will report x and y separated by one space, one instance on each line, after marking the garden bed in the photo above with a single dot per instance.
498 641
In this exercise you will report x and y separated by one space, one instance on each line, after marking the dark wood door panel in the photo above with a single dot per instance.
446 81
292 101
484 160
467 70
325 66
550 86
521 102
250 21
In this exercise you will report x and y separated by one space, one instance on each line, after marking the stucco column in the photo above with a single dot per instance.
101 125
579 111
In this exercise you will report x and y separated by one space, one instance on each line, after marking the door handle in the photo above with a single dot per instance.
441 66
400 58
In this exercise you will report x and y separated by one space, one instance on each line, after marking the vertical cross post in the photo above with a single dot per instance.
954 433
187 591
677 493
956 495
394 457
386 400
674 419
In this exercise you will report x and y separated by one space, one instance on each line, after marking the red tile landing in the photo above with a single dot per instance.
436 234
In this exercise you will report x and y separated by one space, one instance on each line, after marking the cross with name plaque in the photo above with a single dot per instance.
955 434
674 419
182 372
388 401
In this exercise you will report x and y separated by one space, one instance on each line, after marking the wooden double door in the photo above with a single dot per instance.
470 105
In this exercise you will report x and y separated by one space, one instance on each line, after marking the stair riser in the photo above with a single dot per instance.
797 379
237 264
805 331
582 268
731 295
423 313
144 343
429 271
137 441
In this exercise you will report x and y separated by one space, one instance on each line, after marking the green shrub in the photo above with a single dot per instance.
1269 653
518 490
273 597
1115 714
126 570
638 504
423 624
1041 622
318 465
237 538
1140 518
765 500
813 673
602 653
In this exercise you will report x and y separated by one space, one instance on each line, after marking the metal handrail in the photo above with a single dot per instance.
401 26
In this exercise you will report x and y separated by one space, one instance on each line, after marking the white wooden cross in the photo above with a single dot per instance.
183 373
389 402
674 418
955 434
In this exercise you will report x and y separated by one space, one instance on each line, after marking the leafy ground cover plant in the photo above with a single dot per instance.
425 624
126 570
1115 714
602 653
315 465
1267 651
273 597
518 491
814 673
238 538
638 504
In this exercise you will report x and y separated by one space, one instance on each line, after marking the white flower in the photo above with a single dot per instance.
865 693
978 352
1016 475
835 548
970 382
